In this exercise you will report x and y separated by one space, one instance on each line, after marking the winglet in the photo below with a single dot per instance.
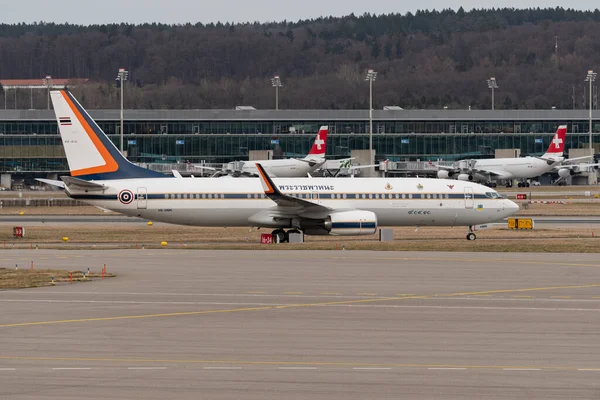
269 187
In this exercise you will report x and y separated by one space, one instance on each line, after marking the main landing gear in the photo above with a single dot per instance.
284 237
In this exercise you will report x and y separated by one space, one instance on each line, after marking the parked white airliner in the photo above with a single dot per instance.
285 168
101 176
507 169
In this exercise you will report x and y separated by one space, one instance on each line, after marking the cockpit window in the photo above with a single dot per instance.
493 195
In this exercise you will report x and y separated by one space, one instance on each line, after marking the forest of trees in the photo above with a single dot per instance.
430 59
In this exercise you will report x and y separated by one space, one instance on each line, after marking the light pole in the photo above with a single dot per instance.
492 84
48 82
591 77
276 82
122 77
371 76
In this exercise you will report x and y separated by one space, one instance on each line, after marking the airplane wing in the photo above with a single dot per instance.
568 161
203 167
291 204
489 172
176 173
312 163
574 166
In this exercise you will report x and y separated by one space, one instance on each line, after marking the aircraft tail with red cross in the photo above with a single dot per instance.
319 146
557 145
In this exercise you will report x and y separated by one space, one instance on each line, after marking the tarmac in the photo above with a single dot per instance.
183 324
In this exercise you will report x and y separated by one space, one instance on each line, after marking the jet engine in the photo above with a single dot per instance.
342 223
465 177
444 174
564 172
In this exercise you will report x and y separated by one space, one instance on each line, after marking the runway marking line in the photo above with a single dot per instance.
561 297
473 260
231 364
319 304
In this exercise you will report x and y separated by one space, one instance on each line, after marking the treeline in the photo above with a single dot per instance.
429 59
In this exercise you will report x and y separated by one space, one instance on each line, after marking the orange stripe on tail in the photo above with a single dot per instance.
110 163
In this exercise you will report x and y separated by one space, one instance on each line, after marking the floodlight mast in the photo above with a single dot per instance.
492 84
276 83
48 82
591 77
371 77
122 77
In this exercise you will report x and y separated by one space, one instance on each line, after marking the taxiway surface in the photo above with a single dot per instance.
304 324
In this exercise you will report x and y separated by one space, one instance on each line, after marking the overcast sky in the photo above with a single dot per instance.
181 11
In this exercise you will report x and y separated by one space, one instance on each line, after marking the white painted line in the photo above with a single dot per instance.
300 368
7 369
521 369
146 367
222 367
370 369
70 369
441 368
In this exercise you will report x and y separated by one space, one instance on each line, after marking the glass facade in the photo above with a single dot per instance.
28 145
20 153
304 127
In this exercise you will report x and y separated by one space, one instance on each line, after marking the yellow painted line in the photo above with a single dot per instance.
405 294
176 314
522 290
255 292
331 293
292 292
297 363
367 294
561 297
595 297
329 303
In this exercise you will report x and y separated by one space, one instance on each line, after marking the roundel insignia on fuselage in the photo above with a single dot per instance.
126 196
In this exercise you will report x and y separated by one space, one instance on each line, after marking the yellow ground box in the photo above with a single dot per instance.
520 223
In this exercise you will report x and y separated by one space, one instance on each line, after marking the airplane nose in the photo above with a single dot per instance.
511 206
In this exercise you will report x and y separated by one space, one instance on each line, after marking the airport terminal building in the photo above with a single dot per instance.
30 143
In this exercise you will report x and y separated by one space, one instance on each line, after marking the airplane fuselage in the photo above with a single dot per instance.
234 202
288 168
515 168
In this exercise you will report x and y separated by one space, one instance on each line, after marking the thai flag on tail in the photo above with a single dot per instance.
65 120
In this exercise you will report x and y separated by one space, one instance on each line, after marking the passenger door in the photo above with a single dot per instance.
469 197
142 195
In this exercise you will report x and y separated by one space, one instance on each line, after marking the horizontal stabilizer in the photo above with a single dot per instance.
71 182
51 182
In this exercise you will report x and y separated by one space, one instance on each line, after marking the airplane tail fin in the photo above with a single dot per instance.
557 146
90 153
319 146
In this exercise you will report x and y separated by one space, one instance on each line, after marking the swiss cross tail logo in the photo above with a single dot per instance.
319 141
557 142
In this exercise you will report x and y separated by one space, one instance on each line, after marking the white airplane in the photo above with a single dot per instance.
507 169
101 176
288 168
